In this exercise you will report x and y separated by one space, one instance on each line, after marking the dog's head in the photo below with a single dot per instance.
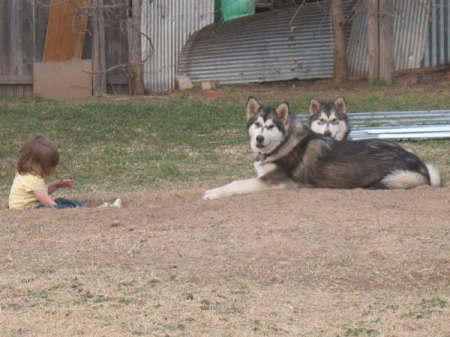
329 118
267 125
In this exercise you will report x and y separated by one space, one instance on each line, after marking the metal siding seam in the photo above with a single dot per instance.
428 49
399 43
422 32
447 33
434 40
413 41
438 34
359 59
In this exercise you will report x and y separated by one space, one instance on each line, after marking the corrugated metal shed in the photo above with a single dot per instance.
410 36
437 50
270 46
168 24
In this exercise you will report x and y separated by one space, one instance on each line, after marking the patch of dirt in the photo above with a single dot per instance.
306 262
427 82
431 82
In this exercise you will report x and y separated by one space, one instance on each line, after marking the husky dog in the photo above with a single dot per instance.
329 118
289 154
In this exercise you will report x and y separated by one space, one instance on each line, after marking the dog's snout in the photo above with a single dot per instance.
259 138
327 134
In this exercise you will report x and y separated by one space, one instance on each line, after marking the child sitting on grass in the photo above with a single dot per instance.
37 162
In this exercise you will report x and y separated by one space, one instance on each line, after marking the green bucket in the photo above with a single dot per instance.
233 9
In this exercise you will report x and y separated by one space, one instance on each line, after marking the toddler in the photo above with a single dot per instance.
37 162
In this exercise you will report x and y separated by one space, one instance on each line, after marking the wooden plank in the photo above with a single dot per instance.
135 69
98 49
66 30
16 42
16 80
116 41
16 90
41 10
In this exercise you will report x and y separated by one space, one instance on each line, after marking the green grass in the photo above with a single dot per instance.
121 146
378 102
125 146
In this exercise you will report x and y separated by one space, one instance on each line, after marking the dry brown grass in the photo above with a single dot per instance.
311 262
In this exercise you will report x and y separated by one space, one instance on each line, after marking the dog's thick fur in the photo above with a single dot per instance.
289 154
329 118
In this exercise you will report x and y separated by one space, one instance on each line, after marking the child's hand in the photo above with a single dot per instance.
65 183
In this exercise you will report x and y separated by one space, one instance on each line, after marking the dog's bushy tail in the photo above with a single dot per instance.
435 177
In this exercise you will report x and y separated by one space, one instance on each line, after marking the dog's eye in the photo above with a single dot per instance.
334 121
269 127
322 121
258 124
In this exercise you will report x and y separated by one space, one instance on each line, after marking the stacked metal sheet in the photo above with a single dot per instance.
405 132
421 124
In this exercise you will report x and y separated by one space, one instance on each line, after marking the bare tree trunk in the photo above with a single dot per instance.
340 54
136 82
386 40
373 40
98 49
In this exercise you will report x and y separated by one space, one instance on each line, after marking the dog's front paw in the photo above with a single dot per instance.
214 193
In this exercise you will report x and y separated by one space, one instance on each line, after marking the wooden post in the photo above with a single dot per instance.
386 16
373 53
98 49
136 81
340 54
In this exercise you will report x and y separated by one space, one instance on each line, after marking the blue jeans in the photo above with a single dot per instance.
65 203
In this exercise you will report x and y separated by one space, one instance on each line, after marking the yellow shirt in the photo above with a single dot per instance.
21 195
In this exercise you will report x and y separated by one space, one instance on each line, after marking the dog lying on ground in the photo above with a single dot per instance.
329 118
288 154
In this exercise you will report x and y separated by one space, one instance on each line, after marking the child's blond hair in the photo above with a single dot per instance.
38 155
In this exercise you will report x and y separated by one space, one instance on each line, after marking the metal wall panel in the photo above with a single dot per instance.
437 51
410 32
168 24
410 36
269 46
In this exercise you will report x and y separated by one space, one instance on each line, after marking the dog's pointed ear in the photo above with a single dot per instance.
340 106
252 107
283 112
314 107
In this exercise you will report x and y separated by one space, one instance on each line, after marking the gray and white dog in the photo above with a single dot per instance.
288 154
329 118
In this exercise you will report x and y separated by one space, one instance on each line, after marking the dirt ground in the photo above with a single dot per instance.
307 262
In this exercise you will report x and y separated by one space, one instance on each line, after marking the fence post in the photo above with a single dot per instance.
98 49
340 59
386 17
373 40
135 71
